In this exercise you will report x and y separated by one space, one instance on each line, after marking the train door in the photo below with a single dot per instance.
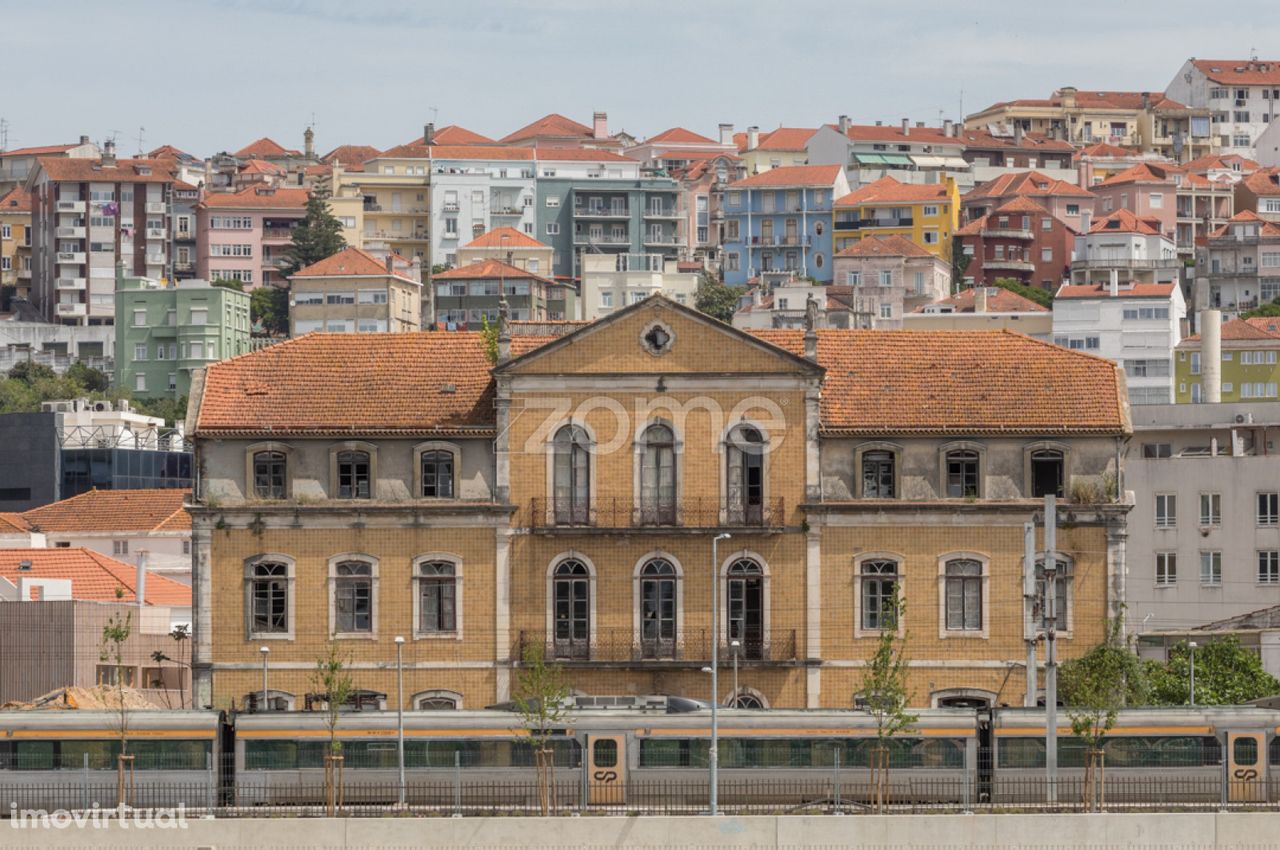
1246 767
606 769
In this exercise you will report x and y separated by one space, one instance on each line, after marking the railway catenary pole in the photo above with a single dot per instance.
1051 654
265 650
1192 647
713 755
1028 609
400 715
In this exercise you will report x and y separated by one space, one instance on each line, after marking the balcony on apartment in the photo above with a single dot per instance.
601 211
788 240
155 258
73 309
1013 263
69 206
847 224
156 234
662 211
76 232
70 258
690 515
24 274
1116 262
72 283
276 233
607 240
1020 233
157 207
658 644
663 240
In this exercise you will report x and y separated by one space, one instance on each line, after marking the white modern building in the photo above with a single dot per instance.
1243 96
1125 247
612 281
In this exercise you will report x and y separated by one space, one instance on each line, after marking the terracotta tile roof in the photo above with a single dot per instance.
973 228
1267 228
334 383
183 186
1103 290
1244 72
455 135
486 269
16 200
1143 172
1099 100
1219 162
1240 330
999 300
548 125
786 139
39 150
514 239
1124 221
1103 149
1266 324
13 523
884 246
261 166
960 382
417 150
889 190
124 171
94 577
822 176
351 262
112 510
893 133
1020 204
984 139
677 136
264 148
169 152
351 157
1026 183
258 197
1264 181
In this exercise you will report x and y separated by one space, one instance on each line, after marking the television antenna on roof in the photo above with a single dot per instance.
141 130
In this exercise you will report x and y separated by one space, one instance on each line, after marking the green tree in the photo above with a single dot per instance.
959 264
227 283
30 384
31 373
1226 674
1269 310
541 698
717 300
1034 293
317 236
172 411
115 634
269 308
489 333
886 694
332 681
93 380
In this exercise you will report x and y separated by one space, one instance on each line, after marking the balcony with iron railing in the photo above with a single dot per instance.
872 223
506 211
662 212
1126 263
1007 233
577 644
585 211
277 234
689 514
604 240
1009 264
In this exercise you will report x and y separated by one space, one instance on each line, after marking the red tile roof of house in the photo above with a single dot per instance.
1103 290
1243 72
335 383
1266 324
893 133
39 150
258 197
999 300
261 166
884 246
514 239
786 139
959 382
679 136
1124 221
1267 228
13 523
1026 183
1242 330
488 269
822 176
1221 162
1020 204
984 139
94 577
351 157
168 152
264 148
889 190
113 510
16 200
417 150
1099 100
1143 172
553 125
452 134
1264 181
1103 149
351 262
92 170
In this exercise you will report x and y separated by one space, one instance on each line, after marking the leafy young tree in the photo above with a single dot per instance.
269 307
317 236
172 411
1041 296
227 283
489 333
332 681
115 634
886 693
541 698
93 380
1266 311
717 300
1226 674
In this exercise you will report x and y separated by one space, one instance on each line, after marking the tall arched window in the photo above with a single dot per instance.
572 488
879 594
437 597
745 593
658 609
571 610
745 485
658 476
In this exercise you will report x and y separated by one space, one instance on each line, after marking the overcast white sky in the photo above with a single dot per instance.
212 75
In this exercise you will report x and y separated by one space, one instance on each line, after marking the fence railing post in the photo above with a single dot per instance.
582 785
1225 781
209 782
88 803
457 783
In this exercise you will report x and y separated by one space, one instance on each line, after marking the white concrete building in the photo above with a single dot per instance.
1126 247
1135 324
1243 96
612 281
87 424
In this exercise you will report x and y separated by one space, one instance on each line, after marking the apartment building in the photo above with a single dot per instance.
1241 95
1065 200
89 216
702 185
469 296
1204 535
16 165
1238 267
247 235
1019 240
783 147
907 154
512 247
888 277
1247 362
1204 204
1147 190
556 131
927 215
1126 247
780 220
384 205
15 242
611 281
183 219
1135 324
165 333
356 292
983 308
1260 192
677 148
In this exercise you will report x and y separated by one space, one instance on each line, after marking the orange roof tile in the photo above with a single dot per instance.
39 150
554 125
94 577
16 200
884 246
13 523
168 152
889 190
1103 290
259 197
786 139
1267 228
1244 72
351 262
514 239
264 148
999 300
959 382
1220 162
351 157
1026 183
111 510
1242 330
1266 324
1264 181
1020 204
488 269
417 150
124 171
791 175
407 383
261 166
1124 221
679 136
455 135
1143 172
1098 100
1029 141
1103 149
893 133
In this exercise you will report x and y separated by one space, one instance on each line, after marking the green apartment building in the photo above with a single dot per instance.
1249 351
164 332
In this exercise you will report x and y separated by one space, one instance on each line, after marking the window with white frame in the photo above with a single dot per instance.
268 585
437 597
353 597
1210 569
1166 569
878 593
1210 509
963 594
1166 510
1269 509
1269 566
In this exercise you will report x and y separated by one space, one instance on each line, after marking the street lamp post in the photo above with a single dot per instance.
265 650
714 754
735 646
400 714
1192 647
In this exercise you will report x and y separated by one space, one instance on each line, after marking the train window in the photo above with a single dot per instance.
605 753
1127 751
1020 752
32 755
283 755
484 754
1244 752
1275 750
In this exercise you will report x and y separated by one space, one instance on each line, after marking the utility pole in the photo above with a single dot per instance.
1028 609
1051 655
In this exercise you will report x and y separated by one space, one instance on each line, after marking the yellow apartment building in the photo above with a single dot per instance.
15 241
926 214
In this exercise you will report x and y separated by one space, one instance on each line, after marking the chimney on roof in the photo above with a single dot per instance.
428 133
844 125
1146 100
1086 220
84 140
600 125
309 143
753 138
108 153
390 264
1017 133
906 126
726 134
140 584
948 128
980 299
1211 354
1068 95
756 299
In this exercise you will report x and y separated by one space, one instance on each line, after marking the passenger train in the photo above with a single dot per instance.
626 751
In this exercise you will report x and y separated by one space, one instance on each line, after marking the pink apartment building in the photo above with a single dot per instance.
1147 190
246 235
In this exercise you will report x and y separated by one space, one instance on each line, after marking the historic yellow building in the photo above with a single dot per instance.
356 488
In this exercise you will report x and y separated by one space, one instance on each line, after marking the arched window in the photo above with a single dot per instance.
962 474
571 610
269 599
353 475
1047 478
879 579
437 474
353 597
658 609
747 698
963 594
269 475
745 484
437 597
572 487
745 610
438 700
658 476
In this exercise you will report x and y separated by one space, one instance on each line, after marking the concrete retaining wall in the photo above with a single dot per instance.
1234 831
